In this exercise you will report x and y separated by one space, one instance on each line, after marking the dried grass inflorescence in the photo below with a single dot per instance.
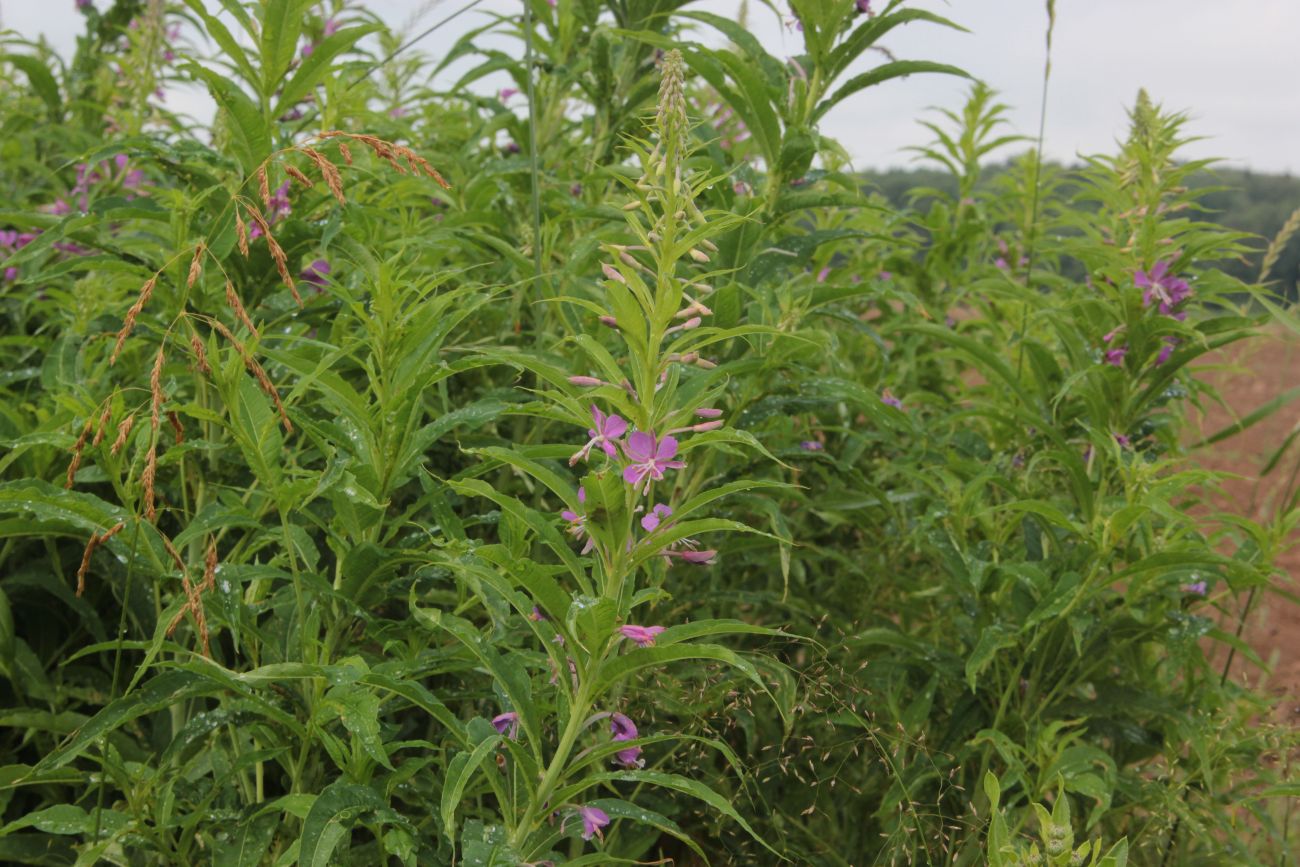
77 448
94 542
258 372
128 322
194 598
123 431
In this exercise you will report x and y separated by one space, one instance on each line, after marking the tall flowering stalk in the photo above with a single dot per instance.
637 427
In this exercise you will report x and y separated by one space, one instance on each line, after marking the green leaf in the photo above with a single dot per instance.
248 845
619 668
315 66
992 639
882 73
281 26
251 134
675 782
40 78
331 817
462 767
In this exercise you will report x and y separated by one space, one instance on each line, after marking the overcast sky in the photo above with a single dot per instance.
1233 64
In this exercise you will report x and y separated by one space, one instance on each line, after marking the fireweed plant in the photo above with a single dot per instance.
645 414
646 489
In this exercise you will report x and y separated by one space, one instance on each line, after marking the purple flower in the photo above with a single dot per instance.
505 93
649 458
11 274
1196 588
1161 286
644 636
1115 355
607 429
1166 350
315 273
593 819
578 524
623 729
1124 442
658 514
507 724
811 446
887 398
864 7
332 26
823 274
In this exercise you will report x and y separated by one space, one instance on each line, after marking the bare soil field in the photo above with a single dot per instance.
1249 375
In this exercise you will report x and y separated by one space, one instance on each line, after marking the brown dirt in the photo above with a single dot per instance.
1249 375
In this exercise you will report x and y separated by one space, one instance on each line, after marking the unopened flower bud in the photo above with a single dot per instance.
632 206
693 322
708 412
705 363
709 245
610 321
586 381
699 256
708 425
611 272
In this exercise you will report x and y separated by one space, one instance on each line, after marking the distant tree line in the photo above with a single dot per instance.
1253 202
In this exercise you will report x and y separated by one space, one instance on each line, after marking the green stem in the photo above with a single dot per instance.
555 770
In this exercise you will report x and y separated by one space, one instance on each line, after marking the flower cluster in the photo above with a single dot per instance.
645 458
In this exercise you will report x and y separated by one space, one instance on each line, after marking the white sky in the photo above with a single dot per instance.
1234 64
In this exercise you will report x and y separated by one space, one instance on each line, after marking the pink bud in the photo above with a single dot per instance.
705 363
708 412
708 425
585 380
611 272
693 322
609 320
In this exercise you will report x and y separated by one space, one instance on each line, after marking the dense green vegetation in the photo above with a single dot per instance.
593 473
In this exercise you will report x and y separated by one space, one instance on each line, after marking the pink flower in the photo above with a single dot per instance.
1166 350
593 819
1115 355
652 520
1196 588
505 93
623 729
315 273
332 26
811 446
578 524
1162 287
507 724
644 636
607 429
649 458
